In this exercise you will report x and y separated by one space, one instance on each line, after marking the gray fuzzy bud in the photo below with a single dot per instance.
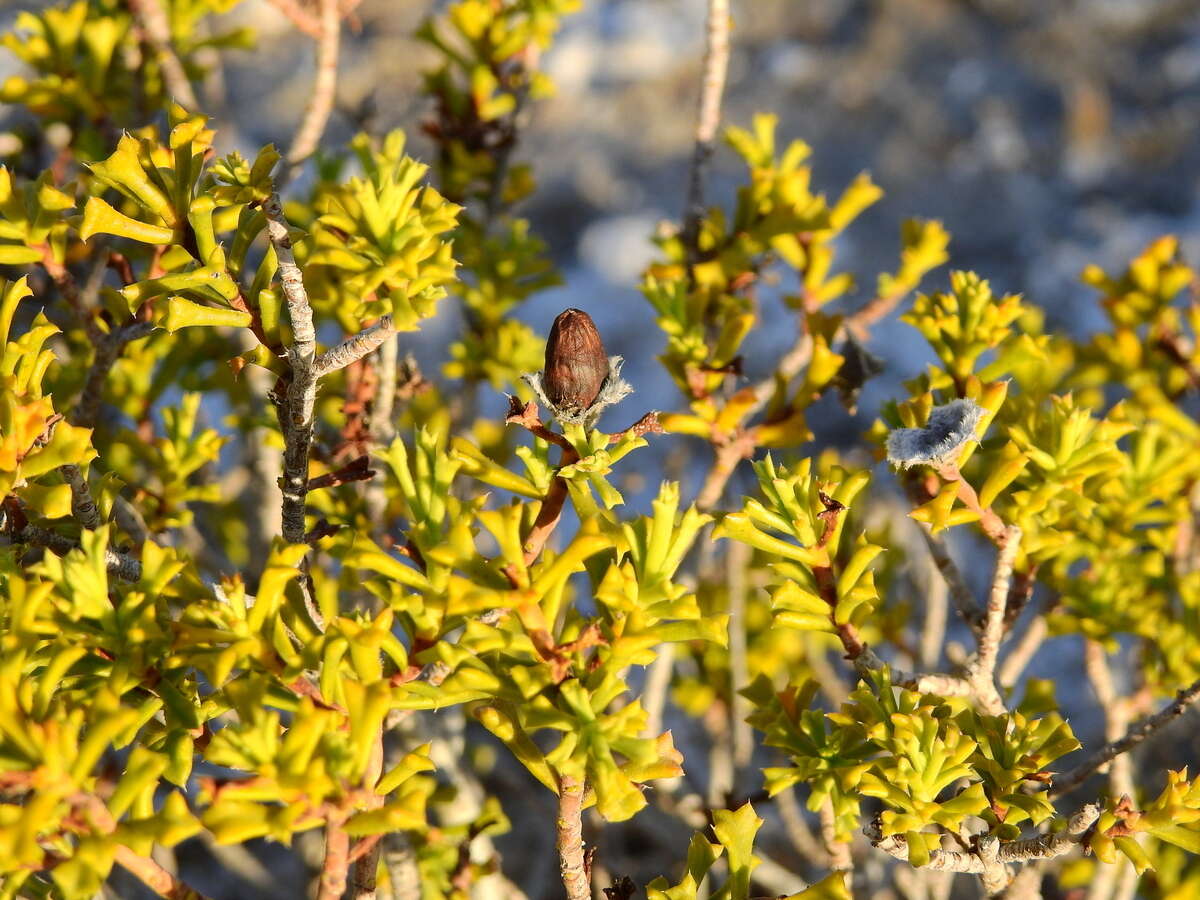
948 429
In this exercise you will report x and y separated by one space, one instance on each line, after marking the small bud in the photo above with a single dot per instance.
575 362
579 381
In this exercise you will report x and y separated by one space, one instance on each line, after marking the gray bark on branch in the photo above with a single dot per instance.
1138 733
982 671
119 564
991 859
297 412
355 348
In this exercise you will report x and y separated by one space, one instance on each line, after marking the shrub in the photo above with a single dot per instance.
248 548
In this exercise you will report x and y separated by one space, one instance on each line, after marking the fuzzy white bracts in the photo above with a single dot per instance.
948 429
613 390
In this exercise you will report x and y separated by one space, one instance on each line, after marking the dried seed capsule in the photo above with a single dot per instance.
576 365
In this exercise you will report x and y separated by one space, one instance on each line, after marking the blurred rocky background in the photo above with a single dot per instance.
1045 134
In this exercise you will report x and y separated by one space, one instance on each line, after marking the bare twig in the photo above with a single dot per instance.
383 405
336 866
154 876
798 830
1120 770
953 577
737 562
152 18
569 826
656 688
65 282
353 349
729 454
358 469
129 520
320 101
297 417
777 878
1116 715
933 629
382 428
366 852
299 16
1023 651
1144 729
304 20
108 348
708 117
982 671
1027 883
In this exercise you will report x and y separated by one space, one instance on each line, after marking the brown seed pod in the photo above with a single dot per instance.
576 365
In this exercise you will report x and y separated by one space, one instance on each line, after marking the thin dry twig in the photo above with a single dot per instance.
1023 651
708 117
963 599
656 688
1115 710
933 630
154 876
355 348
400 860
1139 732
1116 715
797 829
107 348
320 101
151 874
307 22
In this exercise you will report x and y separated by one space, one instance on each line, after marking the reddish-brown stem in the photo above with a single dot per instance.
154 876
993 526
365 855
527 417
552 505
120 264
571 862
355 470
337 861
